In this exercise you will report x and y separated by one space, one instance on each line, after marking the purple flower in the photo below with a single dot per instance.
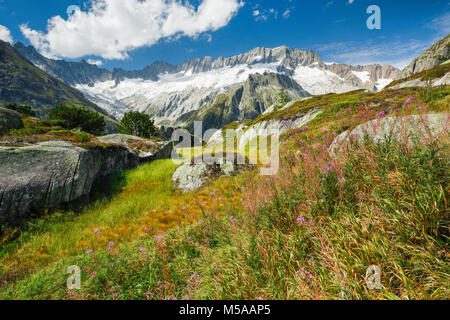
89 251
301 220
304 129
195 276
330 167
232 220
142 249
419 108
324 130
409 100
172 299
96 230
381 114
189 239
112 244
304 273
157 238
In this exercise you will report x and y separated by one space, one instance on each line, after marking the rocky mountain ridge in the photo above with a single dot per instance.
434 56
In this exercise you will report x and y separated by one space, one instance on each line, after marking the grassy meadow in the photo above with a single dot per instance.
309 232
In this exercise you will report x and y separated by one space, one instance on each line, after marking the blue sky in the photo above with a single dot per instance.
161 30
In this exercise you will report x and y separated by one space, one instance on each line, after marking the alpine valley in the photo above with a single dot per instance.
217 91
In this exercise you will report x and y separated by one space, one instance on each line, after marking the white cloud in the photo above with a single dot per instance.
95 62
351 1
287 13
441 23
112 28
5 35
396 52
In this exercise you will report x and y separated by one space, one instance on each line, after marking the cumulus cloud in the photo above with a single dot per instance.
112 28
5 35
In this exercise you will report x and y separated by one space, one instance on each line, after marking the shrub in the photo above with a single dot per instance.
137 124
26 110
283 98
72 117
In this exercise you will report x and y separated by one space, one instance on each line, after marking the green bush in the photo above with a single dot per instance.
26 110
137 124
72 117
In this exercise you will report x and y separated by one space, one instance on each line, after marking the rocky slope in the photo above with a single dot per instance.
246 100
431 58
23 83
167 91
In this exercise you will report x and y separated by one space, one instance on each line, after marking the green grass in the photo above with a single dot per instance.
383 205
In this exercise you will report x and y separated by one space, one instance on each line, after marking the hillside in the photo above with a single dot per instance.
23 83
246 100
309 232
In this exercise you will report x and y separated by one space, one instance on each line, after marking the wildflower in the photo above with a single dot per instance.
157 238
186 297
304 129
172 299
304 273
381 114
142 249
338 115
243 189
89 251
111 244
419 108
188 239
194 277
409 100
184 208
212 194
301 141
324 130
94 274
330 167
232 220
96 230
301 220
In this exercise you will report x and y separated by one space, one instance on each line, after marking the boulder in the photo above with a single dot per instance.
9 119
412 129
147 149
52 173
265 127
195 173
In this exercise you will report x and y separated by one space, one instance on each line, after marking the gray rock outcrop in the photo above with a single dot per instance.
431 58
194 174
52 173
410 129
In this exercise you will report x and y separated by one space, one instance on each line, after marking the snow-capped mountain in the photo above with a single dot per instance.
168 92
